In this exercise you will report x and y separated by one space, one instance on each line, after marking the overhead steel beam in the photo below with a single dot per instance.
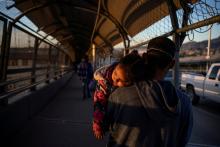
60 29
106 14
144 8
122 28
47 26
77 25
128 8
66 38
102 13
71 25
96 21
105 41
55 31
13 5
100 23
30 10
24 25
84 28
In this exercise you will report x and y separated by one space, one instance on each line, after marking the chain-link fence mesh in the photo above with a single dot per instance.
200 10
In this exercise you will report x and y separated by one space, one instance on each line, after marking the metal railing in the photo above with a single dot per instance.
9 93
17 78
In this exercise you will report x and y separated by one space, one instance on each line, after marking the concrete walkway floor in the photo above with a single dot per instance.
65 122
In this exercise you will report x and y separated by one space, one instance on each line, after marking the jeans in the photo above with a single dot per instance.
86 90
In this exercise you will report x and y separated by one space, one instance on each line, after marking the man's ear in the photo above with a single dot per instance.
172 63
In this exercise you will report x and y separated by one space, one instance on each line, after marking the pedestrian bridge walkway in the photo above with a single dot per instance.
64 122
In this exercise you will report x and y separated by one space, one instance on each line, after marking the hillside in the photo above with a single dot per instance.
200 48
215 44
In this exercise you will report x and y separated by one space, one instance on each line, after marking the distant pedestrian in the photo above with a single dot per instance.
85 72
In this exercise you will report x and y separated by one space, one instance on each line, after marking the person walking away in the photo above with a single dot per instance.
85 72
151 112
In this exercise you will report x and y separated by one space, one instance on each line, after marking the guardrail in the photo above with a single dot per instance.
22 70
5 94
28 63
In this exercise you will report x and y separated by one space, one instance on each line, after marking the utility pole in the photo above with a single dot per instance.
208 48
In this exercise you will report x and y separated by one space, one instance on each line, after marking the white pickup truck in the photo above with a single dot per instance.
203 86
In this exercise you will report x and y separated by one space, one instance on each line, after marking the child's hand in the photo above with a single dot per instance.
98 135
97 131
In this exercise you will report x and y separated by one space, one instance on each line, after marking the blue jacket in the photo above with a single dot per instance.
85 70
149 114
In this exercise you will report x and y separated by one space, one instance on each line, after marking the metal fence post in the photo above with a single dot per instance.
48 66
6 52
5 56
56 65
34 61
2 55
2 52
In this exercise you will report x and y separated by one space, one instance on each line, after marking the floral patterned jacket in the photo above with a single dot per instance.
103 90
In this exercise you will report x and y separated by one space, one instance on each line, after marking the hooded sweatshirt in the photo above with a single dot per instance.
149 114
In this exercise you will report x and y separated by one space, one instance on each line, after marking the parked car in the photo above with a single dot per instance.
203 86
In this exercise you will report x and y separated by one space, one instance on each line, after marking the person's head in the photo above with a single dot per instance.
160 57
119 76
129 70
134 52
85 58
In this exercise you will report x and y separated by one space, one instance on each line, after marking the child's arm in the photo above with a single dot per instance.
99 73
100 104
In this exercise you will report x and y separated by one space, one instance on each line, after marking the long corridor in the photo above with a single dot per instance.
65 122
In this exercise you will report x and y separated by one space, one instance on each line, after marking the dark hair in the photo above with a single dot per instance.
86 57
163 44
134 65
160 52
134 52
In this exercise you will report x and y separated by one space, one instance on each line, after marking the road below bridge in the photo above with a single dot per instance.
206 128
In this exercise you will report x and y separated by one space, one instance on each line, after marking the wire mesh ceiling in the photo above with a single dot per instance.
200 10
203 10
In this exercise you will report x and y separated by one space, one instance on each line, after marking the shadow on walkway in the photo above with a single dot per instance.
65 122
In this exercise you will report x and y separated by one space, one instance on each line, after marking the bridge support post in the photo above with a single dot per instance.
48 66
5 57
57 65
34 60
2 53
